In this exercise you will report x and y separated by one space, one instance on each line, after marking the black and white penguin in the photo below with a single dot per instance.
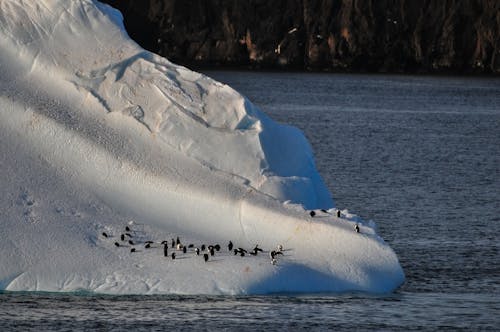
147 246
338 213
184 249
117 244
312 213
356 228
104 234
212 252
165 249
122 237
132 250
230 246
173 243
217 247
323 210
128 234
177 241
203 247
131 242
127 228
190 245
205 257
256 249
253 252
236 251
173 255
197 250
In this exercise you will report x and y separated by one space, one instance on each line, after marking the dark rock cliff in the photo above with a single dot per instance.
428 36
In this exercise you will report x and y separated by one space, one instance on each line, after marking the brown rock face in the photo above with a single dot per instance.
450 36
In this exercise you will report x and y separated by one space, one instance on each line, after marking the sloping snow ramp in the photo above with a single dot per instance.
105 146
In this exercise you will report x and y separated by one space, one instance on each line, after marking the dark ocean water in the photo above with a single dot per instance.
418 155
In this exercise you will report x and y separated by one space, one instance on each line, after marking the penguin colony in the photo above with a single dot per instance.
178 248
205 251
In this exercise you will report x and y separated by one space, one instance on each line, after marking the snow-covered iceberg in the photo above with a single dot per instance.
98 135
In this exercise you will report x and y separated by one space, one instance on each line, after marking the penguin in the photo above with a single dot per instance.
132 250
312 213
242 250
257 248
230 246
127 228
184 249
338 213
235 252
242 254
197 250
253 253
212 252
323 210
179 246
165 249
210 247
104 234
128 234
173 255
164 242
147 246
356 228
117 244
205 257
203 247
217 247
131 242
122 237
273 261
173 243
177 241
190 245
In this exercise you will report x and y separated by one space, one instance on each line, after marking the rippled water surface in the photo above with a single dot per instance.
418 155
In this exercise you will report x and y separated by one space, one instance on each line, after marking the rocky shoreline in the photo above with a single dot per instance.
383 36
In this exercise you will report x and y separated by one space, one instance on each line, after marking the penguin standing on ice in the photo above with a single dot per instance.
205 257
230 246
127 228
184 249
104 234
338 213
132 250
173 243
173 255
122 237
165 248
117 244
197 250
356 228
312 214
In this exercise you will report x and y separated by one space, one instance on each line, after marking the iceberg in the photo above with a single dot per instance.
109 150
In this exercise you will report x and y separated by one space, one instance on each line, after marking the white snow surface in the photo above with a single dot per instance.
97 134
